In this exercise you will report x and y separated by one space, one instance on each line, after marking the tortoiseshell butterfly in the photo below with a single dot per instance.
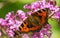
36 21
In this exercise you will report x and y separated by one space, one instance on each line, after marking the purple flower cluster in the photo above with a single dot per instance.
51 4
12 22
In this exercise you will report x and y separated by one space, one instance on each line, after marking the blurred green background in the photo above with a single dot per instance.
14 5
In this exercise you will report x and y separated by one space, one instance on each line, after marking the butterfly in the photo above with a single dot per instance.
34 22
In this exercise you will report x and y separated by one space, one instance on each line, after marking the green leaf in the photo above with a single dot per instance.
55 29
54 24
58 2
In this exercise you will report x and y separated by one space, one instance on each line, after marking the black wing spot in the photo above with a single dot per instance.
39 11
15 34
19 28
43 9
22 25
